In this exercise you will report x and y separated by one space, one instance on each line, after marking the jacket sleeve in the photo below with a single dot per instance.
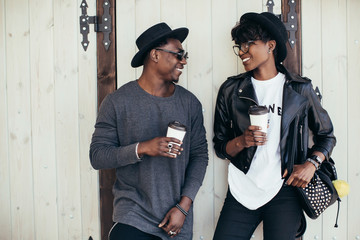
223 131
320 124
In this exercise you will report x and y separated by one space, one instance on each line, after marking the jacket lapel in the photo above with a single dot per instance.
292 103
247 91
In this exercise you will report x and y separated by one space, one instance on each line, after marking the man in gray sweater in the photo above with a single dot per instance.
156 180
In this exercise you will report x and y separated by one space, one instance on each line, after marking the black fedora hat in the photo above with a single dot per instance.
152 36
274 26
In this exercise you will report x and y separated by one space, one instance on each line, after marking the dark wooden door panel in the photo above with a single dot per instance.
106 83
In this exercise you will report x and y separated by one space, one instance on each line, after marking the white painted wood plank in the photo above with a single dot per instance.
43 116
200 70
66 43
311 41
147 13
353 51
87 92
19 116
244 6
125 37
335 89
5 213
224 65
312 68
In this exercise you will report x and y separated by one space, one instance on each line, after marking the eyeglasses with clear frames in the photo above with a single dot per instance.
244 47
179 55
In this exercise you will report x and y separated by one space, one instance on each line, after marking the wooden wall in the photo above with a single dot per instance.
331 57
48 108
48 105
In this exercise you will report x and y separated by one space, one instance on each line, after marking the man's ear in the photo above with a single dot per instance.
154 55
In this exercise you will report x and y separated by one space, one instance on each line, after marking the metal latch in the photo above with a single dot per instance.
317 91
291 24
104 26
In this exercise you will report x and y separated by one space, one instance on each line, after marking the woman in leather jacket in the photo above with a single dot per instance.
265 167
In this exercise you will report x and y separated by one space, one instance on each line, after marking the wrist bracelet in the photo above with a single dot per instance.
181 209
317 159
316 164
136 151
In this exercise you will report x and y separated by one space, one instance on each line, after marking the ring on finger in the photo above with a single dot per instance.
170 145
170 150
172 233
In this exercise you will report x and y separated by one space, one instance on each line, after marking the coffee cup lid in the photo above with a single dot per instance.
257 110
177 125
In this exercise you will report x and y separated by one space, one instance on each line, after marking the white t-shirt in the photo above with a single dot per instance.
263 180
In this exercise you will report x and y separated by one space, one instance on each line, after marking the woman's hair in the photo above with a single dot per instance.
248 30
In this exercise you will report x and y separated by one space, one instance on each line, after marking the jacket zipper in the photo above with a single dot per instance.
300 107
301 138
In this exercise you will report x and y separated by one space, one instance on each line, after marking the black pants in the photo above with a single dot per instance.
126 232
281 218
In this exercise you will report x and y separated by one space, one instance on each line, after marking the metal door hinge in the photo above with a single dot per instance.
104 26
270 6
291 24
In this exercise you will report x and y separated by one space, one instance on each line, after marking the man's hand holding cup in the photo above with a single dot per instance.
175 130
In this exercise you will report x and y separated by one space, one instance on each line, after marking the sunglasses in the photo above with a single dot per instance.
179 55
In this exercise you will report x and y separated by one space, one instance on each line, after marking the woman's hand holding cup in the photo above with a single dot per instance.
254 136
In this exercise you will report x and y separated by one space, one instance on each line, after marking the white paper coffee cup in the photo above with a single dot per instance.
259 117
176 130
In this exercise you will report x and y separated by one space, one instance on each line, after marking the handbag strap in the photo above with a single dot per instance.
337 214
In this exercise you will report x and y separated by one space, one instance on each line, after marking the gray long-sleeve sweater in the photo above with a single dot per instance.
147 188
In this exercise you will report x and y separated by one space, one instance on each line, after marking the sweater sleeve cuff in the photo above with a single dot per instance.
128 155
191 191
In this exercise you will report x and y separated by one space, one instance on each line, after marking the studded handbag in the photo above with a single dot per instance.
320 192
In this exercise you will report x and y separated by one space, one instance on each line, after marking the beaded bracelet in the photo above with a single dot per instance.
316 164
317 159
181 209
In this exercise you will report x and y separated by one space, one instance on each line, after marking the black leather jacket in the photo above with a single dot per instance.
301 111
